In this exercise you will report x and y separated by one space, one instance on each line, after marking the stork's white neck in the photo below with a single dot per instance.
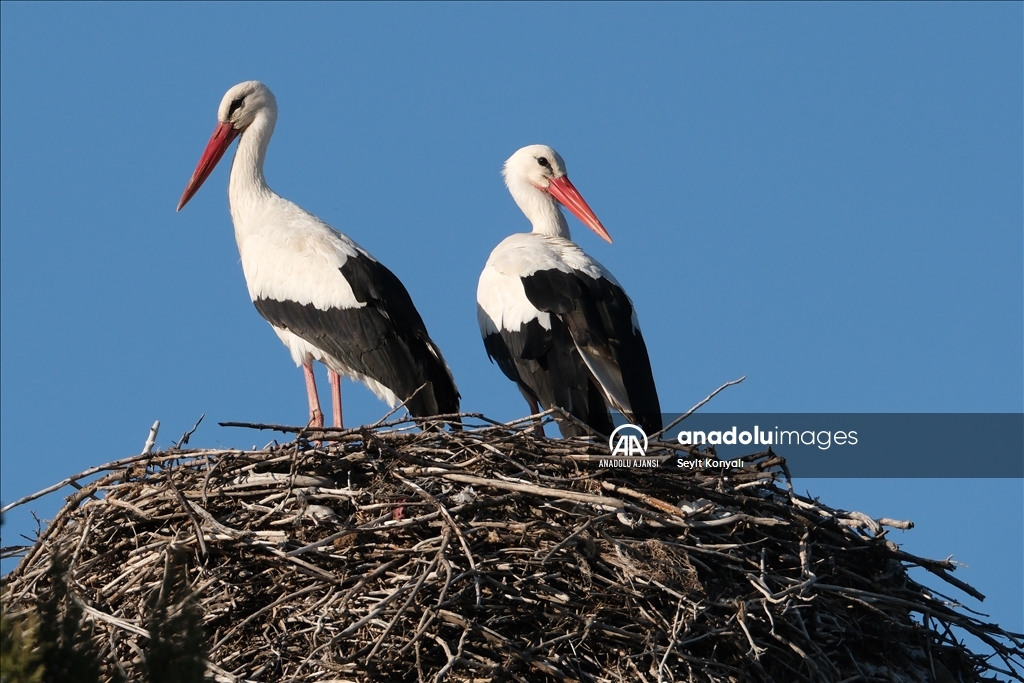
248 191
540 208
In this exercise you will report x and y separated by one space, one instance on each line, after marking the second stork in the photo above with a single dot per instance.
556 321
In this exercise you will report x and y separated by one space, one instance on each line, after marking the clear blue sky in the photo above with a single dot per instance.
826 198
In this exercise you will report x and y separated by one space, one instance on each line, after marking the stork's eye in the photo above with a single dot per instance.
235 104
543 161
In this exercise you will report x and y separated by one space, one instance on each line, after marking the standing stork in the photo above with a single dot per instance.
556 321
324 295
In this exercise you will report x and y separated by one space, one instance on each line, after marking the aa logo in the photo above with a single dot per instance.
628 441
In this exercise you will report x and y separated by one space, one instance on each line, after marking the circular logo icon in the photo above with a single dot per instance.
628 440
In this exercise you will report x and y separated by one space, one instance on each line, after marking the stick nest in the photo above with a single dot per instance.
492 554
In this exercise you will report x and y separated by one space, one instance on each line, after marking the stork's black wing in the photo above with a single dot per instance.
599 318
385 339
546 366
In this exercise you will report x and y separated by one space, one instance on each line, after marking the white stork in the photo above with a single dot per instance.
556 321
324 295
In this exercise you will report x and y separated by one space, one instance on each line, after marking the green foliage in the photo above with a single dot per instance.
66 647
18 662
177 644
54 644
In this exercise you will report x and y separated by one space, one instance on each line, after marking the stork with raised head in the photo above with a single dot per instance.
556 321
324 295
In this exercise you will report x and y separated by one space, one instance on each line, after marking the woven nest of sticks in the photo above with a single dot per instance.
492 554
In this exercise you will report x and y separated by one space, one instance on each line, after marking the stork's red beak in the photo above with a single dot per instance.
219 142
564 191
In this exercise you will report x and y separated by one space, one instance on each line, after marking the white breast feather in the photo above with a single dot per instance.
501 299
290 255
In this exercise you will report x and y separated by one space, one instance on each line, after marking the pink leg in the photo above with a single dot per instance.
538 426
316 416
335 396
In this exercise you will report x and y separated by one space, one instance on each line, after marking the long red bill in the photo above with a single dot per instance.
564 191
219 142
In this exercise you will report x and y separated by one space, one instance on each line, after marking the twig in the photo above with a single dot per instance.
604 501
187 435
398 407
151 439
116 464
454 527
191 515
692 410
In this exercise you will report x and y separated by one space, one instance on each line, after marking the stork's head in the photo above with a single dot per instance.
239 109
243 102
534 164
537 173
